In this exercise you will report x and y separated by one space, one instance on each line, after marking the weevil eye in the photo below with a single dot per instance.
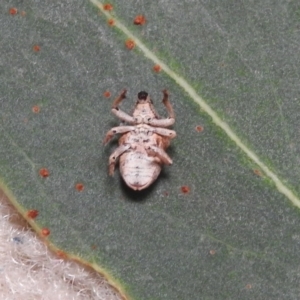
142 95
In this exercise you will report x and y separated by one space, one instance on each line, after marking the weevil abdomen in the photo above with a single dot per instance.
138 169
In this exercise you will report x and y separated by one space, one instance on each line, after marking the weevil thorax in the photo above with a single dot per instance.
144 109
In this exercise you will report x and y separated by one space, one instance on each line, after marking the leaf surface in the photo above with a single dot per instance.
234 235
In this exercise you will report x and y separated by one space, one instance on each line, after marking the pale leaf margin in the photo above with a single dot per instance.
281 187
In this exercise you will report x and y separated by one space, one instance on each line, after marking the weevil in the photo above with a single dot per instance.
143 141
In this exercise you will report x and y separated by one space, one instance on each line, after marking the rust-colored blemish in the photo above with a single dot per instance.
23 13
36 109
13 11
156 68
94 247
185 189
199 128
45 232
248 286
130 44
212 252
258 172
61 254
107 94
32 213
111 22
36 48
166 194
139 20
79 187
108 7
44 172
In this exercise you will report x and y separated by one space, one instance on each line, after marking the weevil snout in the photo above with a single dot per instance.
142 95
143 98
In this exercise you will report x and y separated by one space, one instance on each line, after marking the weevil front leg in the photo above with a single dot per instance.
160 153
168 104
116 130
118 112
114 157
168 121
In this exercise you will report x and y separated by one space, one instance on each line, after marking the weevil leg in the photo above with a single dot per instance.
116 130
161 122
119 99
160 153
123 115
168 121
164 132
119 113
168 105
114 157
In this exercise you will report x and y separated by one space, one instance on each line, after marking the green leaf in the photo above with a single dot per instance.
231 68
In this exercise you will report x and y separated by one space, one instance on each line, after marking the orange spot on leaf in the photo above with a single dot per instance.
13 11
79 187
258 172
185 189
139 20
61 254
32 213
248 286
23 13
130 44
156 68
44 172
36 48
199 128
212 252
111 22
45 231
108 7
106 94
36 109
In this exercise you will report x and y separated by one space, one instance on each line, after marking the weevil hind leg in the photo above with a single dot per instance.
118 112
116 130
160 153
114 157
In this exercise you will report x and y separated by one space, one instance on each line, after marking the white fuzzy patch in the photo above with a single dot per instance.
29 271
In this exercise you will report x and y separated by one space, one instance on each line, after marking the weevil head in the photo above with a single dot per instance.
144 107
143 97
